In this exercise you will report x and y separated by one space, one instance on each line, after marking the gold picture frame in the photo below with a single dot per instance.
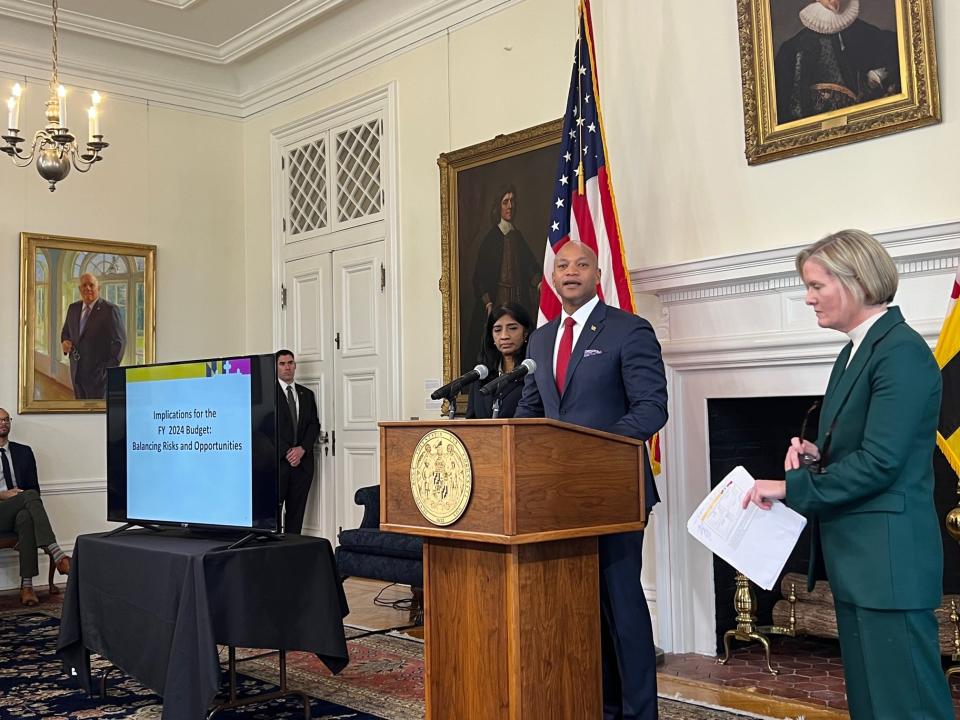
801 115
50 268
470 181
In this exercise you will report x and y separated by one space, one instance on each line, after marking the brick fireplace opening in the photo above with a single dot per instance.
754 432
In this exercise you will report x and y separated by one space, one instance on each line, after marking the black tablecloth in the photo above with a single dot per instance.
157 604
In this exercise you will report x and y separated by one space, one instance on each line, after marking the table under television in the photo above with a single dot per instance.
156 604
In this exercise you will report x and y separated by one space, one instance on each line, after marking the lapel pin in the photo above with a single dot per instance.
593 327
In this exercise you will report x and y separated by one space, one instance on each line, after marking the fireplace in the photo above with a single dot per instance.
735 330
754 432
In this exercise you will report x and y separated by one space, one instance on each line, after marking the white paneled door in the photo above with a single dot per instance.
360 384
308 332
335 322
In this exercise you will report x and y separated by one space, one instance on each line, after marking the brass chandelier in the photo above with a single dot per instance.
55 148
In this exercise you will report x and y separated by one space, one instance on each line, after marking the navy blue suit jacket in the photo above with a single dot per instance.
100 346
615 380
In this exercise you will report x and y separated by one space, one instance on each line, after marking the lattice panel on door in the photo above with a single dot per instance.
307 187
359 187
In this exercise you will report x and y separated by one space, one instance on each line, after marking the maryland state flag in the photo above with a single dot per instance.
947 354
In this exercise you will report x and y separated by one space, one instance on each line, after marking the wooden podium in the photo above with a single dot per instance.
511 589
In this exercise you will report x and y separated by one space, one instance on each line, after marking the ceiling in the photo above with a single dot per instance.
218 31
228 57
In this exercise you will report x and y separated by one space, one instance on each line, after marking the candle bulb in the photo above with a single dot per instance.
62 95
95 99
11 112
93 123
16 107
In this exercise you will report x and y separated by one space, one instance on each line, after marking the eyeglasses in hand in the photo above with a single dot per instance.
806 459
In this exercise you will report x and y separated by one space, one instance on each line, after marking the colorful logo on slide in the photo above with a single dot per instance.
184 371
236 366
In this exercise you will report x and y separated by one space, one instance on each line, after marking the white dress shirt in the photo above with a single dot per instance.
13 473
296 395
860 332
580 317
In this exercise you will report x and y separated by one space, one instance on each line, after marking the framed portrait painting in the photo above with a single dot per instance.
822 73
495 203
85 306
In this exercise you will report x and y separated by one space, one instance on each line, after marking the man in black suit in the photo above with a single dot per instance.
94 338
298 427
600 367
22 511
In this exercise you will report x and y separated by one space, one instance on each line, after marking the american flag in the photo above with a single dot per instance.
584 208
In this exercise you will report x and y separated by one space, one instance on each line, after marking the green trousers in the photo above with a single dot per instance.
891 662
24 514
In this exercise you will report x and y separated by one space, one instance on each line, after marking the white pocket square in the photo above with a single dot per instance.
591 352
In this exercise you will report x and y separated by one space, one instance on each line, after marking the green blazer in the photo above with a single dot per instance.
871 509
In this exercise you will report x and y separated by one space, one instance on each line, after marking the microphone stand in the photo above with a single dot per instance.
496 408
452 406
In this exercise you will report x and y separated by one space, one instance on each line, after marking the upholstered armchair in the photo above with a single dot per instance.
368 553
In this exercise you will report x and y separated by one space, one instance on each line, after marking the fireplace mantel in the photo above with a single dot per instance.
738 326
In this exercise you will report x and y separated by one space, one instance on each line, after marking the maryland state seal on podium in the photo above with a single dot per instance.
441 477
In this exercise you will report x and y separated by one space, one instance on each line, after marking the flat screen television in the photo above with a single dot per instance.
193 444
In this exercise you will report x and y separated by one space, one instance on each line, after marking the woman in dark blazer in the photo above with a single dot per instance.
504 347
866 485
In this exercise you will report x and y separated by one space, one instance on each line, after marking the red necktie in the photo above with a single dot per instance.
564 352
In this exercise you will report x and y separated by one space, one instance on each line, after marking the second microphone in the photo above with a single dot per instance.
527 366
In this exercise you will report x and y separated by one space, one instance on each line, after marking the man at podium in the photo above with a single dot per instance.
600 367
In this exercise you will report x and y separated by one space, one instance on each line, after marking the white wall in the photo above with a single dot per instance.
458 89
171 179
670 79
670 86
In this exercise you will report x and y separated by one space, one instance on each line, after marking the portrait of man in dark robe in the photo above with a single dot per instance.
506 270
843 53
503 208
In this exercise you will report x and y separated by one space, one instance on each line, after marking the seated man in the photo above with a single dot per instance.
22 512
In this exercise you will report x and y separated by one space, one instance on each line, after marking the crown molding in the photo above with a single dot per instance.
918 250
132 74
278 24
377 46
100 28
178 4
119 80
253 38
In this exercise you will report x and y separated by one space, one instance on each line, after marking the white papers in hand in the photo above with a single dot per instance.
756 542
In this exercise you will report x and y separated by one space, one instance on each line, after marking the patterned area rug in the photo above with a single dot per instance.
33 686
384 681
385 675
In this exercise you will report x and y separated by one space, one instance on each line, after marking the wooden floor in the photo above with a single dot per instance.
365 614
710 694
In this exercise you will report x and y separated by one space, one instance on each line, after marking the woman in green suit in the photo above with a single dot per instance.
866 485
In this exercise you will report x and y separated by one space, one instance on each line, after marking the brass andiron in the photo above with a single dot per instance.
745 603
955 619
953 527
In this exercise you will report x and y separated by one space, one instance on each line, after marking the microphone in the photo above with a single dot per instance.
527 366
454 386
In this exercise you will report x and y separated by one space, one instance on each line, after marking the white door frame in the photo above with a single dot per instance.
383 99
